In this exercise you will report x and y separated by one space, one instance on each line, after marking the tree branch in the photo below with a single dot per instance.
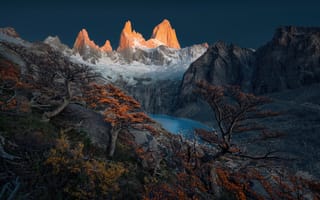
48 115
268 156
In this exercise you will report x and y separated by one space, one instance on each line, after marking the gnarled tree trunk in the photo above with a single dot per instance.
113 141
66 101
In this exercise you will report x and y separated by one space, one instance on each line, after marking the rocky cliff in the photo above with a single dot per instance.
290 60
221 64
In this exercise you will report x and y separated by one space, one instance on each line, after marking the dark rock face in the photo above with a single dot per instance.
290 60
221 65
155 97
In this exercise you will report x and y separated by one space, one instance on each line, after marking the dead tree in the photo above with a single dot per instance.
235 112
57 86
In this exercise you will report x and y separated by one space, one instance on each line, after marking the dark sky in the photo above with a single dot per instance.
248 23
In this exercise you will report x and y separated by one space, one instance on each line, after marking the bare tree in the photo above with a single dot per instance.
57 86
235 112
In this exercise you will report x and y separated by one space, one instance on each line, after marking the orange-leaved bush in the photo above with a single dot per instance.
119 109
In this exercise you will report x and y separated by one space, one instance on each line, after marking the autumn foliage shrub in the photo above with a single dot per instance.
119 109
79 176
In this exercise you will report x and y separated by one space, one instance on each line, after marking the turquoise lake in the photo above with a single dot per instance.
178 125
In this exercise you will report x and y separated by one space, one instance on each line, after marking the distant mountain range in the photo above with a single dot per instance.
163 34
132 46
159 57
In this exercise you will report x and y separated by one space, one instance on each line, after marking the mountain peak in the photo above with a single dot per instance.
83 40
127 27
165 21
106 47
84 32
130 38
164 33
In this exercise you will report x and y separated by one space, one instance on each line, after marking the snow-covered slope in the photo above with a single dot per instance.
146 65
